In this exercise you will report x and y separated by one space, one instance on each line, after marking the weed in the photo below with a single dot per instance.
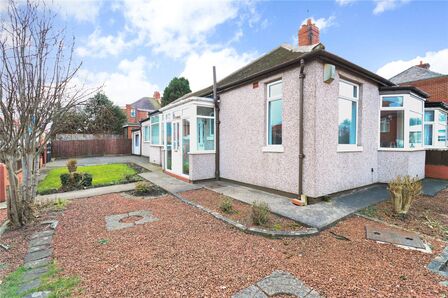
260 213
226 206
436 224
103 241
370 211
277 227
60 204
143 187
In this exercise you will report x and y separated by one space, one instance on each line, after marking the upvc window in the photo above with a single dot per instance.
146 135
205 117
133 113
274 113
436 128
348 101
401 122
155 129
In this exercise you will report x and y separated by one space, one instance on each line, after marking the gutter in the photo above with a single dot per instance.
302 75
217 124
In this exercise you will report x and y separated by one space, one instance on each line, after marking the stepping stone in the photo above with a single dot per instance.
43 234
29 286
280 282
42 294
38 248
46 240
41 254
37 263
34 273
113 221
252 291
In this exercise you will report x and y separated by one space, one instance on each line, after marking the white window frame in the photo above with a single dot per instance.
436 126
197 129
272 147
350 147
406 108
133 113
146 127
159 122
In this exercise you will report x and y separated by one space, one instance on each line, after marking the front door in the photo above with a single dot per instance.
177 147
136 144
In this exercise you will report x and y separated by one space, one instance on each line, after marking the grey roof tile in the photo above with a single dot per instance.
414 73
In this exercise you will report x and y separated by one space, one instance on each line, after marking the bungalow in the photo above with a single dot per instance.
299 121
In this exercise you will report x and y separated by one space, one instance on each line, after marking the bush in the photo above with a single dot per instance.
72 165
227 206
75 180
260 213
86 180
403 191
143 187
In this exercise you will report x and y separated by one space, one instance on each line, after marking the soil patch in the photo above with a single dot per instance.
428 215
189 253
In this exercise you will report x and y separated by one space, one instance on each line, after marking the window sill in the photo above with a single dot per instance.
202 152
273 149
350 149
401 149
156 145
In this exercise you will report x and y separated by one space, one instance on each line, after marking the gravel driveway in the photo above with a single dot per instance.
190 254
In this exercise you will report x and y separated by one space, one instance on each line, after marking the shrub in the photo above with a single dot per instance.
226 206
75 180
143 187
403 191
86 180
65 179
260 213
72 165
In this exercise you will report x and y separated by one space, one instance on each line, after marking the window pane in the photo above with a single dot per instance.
185 146
206 140
275 90
347 122
428 134
394 137
415 139
415 121
348 90
442 118
203 111
429 116
146 133
275 122
392 101
441 136
155 134
155 119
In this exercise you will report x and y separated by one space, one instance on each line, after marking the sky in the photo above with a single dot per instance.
135 47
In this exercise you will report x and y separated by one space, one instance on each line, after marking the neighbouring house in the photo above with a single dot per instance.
138 111
436 114
298 120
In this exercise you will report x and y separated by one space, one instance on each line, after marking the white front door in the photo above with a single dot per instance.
136 143
177 147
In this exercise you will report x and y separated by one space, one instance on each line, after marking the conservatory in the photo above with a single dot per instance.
189 138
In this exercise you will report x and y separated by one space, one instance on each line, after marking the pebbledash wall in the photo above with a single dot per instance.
326 170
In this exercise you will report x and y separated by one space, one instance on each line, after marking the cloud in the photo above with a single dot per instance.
345 2
438 61
322 23
198 66
103 46
384 5
126 85
183 26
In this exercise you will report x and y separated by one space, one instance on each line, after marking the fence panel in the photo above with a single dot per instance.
85 148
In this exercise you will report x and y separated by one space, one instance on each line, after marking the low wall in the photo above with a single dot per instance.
94 147
436 164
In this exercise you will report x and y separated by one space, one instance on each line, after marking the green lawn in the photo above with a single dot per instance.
102 175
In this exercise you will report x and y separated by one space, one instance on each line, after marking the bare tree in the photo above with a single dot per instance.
36 90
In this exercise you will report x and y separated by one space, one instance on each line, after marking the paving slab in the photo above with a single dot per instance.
41 294
43 240
168 183
35 283
42 234
113 221
431 187
250 292
320 215
37 263
34 273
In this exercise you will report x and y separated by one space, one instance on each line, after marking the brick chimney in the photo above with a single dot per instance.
156 96
423 65
308 34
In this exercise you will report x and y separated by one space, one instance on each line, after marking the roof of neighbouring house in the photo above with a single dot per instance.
146 103
436 104
414 73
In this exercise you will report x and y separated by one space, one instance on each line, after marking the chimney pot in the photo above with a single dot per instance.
308 34
424 65
156 96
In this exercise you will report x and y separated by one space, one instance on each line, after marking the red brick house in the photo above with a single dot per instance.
139 110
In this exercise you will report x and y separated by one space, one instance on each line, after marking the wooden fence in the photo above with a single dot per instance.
96 147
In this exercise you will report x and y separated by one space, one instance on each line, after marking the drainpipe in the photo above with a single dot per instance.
217 123
302 196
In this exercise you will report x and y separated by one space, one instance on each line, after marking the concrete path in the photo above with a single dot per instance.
431 187
320 215
86 193
167 182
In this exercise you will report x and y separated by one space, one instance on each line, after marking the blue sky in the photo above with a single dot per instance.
135 47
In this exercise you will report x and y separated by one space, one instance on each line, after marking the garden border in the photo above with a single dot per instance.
250 230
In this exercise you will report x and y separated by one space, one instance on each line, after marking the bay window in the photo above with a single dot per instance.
348 115
274 113
401 122
155 129
435 128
